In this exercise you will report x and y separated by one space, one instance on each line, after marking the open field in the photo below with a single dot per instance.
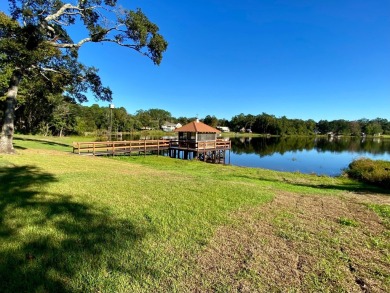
144 224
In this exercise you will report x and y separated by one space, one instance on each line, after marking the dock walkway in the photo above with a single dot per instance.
100 148
204 150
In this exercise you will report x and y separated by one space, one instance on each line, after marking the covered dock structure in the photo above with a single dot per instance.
197 140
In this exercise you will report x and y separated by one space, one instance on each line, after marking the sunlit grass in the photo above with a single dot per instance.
89 218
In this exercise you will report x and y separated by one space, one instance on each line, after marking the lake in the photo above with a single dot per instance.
319 155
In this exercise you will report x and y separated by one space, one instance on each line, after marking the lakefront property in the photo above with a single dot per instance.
134 208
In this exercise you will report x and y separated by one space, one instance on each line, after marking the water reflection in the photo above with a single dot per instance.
318 155
268 146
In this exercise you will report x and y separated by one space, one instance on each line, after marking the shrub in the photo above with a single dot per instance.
370 171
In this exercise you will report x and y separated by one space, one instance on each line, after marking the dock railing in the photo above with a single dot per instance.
119 147
218 144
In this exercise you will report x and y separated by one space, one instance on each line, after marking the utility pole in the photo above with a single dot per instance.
110 130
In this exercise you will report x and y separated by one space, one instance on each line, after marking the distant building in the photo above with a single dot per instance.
168 126
223 128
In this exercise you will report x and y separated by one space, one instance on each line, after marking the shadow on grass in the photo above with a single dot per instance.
357 187
352 186
19 147
51 143
49 243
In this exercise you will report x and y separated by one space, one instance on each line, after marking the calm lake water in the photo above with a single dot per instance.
319 155
322 156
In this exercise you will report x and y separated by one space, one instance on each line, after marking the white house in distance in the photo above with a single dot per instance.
168 126
223 128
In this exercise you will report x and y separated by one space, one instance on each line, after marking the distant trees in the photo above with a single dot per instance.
373 127
269 124
211 120
61 116
242 121
153 118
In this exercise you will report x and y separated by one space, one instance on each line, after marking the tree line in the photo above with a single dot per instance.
269 124
61 116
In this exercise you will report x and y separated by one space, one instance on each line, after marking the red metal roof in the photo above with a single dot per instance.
197 126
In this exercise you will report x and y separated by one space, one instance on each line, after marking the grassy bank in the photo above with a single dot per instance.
138 224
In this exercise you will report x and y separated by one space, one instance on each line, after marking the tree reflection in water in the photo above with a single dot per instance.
320 155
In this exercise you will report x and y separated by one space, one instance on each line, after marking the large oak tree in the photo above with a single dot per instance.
35 44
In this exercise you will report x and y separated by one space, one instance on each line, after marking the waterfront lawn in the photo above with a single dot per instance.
73 223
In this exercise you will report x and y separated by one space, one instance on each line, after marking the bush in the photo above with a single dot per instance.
370 171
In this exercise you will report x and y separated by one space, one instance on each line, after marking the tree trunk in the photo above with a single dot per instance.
7 131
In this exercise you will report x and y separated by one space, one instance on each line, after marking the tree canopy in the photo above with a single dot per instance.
35 45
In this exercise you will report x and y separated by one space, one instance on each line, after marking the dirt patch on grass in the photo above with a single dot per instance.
299 244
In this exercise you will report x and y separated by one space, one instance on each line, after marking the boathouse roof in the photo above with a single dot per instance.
197 126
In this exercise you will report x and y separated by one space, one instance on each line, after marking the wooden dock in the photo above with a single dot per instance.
211 151
100 148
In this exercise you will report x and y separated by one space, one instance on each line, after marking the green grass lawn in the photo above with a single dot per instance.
74 223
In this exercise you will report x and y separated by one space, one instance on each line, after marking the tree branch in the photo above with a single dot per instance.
68 46
62 11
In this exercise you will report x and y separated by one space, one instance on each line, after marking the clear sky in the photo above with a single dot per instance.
306 59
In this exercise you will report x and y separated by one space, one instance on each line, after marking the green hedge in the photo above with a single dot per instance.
370 171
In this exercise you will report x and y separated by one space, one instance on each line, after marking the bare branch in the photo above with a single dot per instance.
73 45
62 11
120 44
45 77
50 70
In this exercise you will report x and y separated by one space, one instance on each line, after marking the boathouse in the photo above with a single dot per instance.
197 140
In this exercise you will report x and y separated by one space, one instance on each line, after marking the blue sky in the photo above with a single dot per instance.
301 59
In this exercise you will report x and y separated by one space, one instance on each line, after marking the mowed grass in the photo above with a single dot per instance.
72 223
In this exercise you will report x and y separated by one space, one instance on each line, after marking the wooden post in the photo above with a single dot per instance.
93 148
